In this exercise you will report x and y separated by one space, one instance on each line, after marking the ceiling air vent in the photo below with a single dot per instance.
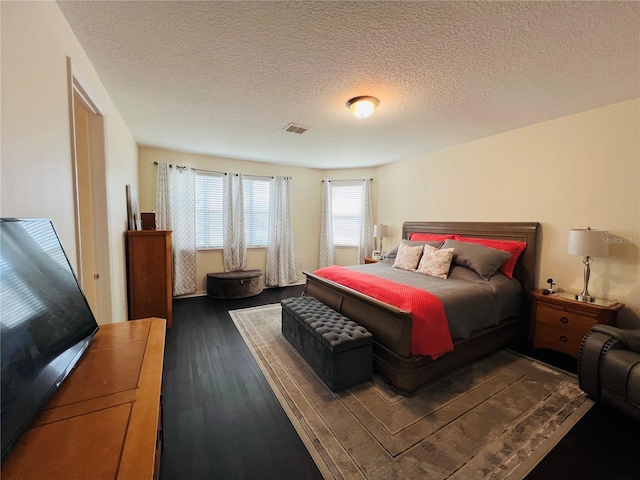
296 128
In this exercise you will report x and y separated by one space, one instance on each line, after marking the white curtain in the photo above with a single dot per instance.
326 227
366 231
234 244
281 257
176 211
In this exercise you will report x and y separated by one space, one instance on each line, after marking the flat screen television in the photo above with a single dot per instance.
45 321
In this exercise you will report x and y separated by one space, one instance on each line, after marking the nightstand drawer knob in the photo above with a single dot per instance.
564 319
563 339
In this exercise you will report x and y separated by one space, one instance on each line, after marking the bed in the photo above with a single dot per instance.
392 327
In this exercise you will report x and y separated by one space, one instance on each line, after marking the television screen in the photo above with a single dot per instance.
45 321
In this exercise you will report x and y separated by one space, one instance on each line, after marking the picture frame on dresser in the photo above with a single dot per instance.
132 208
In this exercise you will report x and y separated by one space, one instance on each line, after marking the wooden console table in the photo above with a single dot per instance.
105 420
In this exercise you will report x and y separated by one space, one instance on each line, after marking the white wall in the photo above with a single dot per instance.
36 168
306 205
578 171
573 172
305 192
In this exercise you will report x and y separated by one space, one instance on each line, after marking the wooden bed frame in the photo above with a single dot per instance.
391 327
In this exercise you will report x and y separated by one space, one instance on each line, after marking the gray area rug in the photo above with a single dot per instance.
495 418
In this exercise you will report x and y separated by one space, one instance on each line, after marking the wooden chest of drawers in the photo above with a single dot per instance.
150 281
558 322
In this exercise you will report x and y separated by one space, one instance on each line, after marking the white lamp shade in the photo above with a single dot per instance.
380 230
588 243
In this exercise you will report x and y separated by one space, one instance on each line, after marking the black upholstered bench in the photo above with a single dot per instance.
230 285
339 350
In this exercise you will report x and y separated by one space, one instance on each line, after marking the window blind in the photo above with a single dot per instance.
346 206
208 210
256 210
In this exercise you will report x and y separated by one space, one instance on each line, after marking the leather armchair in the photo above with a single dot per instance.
609 367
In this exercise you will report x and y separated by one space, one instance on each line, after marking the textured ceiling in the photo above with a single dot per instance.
225 78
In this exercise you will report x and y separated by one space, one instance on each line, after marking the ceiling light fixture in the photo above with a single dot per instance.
363 106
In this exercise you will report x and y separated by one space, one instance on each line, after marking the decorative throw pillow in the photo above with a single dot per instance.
435 261
433 237
485 261
408 257
511 246
394 252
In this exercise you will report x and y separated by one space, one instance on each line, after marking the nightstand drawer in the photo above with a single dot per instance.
559 322
565 319
558 338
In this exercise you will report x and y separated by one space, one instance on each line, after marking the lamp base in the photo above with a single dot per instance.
585 298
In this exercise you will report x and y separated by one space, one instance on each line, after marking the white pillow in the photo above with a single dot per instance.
408 257
436 261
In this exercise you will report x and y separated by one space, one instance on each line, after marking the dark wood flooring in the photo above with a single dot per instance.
222 421
604 444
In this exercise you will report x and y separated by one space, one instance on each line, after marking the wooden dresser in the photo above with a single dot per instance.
149 279
105 420
559 322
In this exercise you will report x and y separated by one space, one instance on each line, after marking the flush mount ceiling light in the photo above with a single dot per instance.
363 106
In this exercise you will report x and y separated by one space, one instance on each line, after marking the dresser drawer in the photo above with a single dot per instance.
565 319
558 338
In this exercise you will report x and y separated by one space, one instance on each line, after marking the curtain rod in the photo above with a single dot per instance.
347 180
215 171
194 169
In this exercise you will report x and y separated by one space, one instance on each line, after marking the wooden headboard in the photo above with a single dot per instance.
527 265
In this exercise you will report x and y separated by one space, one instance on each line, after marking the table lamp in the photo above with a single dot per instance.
589 243
379 231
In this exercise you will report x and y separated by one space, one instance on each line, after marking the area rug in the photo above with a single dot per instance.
495 418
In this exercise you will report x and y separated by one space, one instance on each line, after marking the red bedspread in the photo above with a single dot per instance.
430 332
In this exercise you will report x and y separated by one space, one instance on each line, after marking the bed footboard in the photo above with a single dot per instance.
391 329
390 326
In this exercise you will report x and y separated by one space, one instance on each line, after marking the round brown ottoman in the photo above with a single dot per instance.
230 285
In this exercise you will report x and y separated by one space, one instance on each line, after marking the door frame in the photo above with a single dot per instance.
99 196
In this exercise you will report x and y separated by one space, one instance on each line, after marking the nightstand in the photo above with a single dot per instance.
559 322
370 260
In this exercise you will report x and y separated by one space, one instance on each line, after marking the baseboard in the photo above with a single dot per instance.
203 293
300 282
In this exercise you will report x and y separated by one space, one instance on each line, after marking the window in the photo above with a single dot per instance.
346 209
256 210
209 210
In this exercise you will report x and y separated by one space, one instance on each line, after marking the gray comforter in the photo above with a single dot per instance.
470 302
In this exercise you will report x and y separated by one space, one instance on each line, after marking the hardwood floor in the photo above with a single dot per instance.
222 421
603 445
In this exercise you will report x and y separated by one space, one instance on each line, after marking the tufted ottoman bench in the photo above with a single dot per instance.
338 350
